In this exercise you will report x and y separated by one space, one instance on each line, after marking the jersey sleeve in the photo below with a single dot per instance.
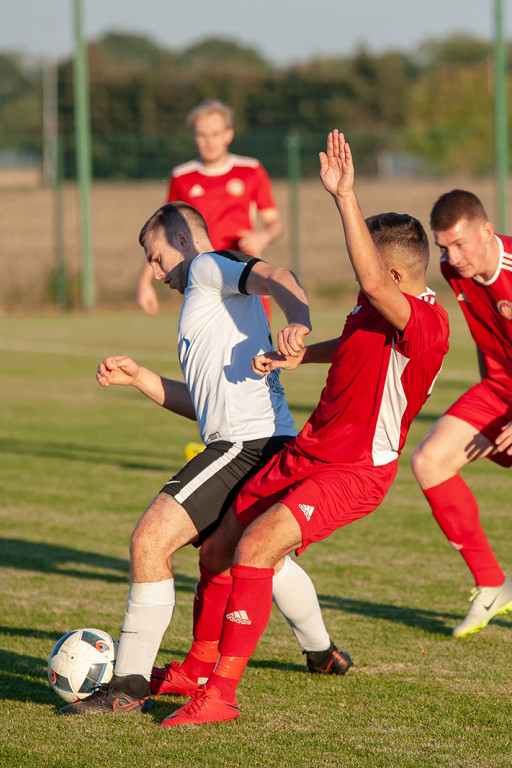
219 274
427 328
173 193
263 192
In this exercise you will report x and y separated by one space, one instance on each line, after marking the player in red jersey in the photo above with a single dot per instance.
342 463
477 264
227 189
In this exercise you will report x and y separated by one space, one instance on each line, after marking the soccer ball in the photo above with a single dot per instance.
80 662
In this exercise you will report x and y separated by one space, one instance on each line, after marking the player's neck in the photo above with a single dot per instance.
413 287
490 262
212 165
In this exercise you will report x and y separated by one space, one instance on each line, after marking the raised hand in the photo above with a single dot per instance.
336 166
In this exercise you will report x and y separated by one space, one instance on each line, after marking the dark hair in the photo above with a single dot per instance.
171 217
454 206
401 237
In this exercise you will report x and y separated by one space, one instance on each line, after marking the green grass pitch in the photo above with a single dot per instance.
79 464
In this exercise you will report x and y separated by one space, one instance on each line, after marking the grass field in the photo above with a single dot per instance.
79 465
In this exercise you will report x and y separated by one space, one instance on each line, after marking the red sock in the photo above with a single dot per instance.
212 593
456 511
247 615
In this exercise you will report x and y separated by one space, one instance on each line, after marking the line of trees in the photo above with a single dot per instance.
435 104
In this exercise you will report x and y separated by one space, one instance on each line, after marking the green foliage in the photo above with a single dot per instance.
215 51
450 119
455 50
434 104
79 465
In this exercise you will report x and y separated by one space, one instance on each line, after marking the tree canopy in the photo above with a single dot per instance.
434 103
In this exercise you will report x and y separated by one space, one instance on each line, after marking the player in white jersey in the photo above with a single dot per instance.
332 473
244 421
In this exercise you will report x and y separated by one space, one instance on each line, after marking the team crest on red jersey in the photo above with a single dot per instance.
505 308
235 187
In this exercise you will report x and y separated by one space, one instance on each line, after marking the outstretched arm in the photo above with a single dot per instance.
321 352
288 294
372 274
170 394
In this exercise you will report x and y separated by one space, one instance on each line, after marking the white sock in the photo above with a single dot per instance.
296 598
148 614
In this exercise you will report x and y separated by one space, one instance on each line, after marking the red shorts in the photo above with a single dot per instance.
484 408
322 497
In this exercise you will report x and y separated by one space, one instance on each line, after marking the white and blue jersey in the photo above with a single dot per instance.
221 328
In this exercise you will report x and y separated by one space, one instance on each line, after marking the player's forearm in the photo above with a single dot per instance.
322 352
288 294
170 394
368 266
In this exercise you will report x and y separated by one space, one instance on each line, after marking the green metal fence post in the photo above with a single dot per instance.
293 144
60 268
501 116
83 155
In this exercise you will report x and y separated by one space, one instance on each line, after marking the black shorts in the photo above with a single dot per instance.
208 484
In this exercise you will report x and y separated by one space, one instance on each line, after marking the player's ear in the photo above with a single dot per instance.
183 237
488 231
396 275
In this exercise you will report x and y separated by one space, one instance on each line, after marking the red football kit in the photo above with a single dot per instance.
487 307
340 466
228 197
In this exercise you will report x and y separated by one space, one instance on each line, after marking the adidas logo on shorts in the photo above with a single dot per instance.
238 617
307 509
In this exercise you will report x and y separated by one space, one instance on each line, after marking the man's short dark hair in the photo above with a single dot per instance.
171 217
453 206
402 237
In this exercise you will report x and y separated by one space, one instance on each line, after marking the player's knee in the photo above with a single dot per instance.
254 551
216 555
423 460
147 545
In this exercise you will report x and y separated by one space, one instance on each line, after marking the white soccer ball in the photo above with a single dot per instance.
80 662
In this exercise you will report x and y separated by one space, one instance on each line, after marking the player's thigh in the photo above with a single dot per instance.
218 550
446 448
269 538
164 528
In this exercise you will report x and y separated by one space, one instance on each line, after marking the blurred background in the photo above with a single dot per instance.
94 96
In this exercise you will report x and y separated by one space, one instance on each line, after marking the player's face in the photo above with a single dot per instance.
167 262
213 137
466 247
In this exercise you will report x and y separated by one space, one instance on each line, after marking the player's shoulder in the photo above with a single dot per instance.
239 256
191 166
223 258
506 241
242 161
426 309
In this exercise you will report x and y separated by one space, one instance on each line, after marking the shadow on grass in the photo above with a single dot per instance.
24 678
64 561
94 454
429 621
